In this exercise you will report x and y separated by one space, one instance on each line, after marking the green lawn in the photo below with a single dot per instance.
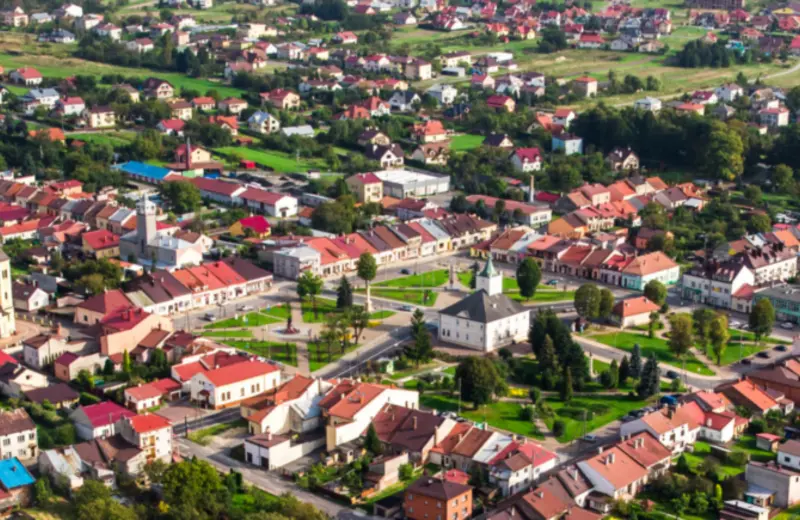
411 296
114 139
318 355
449 370
252 319
502 415
324 307
285 353
228 334
278 161
604 410
412 371
626 341
429 279
743 335
204 436
462 143
277 311
733 352
381 315
464 277
544 296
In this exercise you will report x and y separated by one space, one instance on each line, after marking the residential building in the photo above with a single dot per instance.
29 298
99 420
228 386
18 436
150 433
429 498
633 312
367 187
263 122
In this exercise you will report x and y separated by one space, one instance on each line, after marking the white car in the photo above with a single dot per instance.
210 316
787 325
245 308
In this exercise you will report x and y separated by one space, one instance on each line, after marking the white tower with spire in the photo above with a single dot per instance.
145 223
490 279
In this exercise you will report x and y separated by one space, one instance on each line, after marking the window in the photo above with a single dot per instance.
31 436
6 442
21 438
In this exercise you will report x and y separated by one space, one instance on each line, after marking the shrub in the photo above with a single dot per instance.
87 399
738 458
526 413
559 427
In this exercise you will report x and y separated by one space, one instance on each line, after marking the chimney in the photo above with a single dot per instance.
708 422
610 458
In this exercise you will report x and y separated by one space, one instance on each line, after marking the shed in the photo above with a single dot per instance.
767 441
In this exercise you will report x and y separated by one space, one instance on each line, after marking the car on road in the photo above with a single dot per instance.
590 438
747 361
781 348
735 324
409 308
788 325
671 374
554 282
405 271
763 355
245 308
209 316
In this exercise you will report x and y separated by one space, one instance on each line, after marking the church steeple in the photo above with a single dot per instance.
490 279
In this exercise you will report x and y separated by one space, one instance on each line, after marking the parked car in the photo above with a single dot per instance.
405 271
553 282
763 355
209 316
245 308
590 437
746 361
781 348
735 324
409 308
671 374
788 325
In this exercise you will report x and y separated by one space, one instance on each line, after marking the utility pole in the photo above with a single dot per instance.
459 396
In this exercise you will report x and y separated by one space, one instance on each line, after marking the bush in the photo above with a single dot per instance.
559 427
526 413
757 426
87 399
738 458
545 410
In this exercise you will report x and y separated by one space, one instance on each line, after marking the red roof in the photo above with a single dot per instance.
186 371
6 358
204 100
497 101
65 359
239 372
124 320
257 223
148 422
592 38
107 302
175 125
29 73
528 154
105 413
367 178
256 195
101 239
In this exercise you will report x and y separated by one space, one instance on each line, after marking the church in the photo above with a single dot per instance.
148 243
486 319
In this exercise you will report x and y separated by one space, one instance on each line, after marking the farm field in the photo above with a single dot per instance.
278 161
464 142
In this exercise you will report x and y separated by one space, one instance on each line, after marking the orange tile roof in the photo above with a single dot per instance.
650 263
634 307
355 400
615 466
755 395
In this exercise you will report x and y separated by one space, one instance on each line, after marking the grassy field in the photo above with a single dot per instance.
544 296
285 353
112 138
278 161
203 437
626 341
381 315
429 279
252 319
464 142
502 415
228 334
410 296
318 355
279 312
603 409
324 307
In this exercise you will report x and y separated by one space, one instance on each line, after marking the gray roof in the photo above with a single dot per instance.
481 307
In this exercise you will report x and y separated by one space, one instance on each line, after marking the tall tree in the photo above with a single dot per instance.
702 318
565 390
358 317
762 318
372 443
528 277
194 488
636 362
587 301
652 324
612 380
344 294
656 292
624 370
420 349
719 336
606 303
649 383
367 270
126 362
310 285
479 380
680 334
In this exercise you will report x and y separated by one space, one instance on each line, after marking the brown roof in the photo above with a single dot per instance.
154 338
546 503
616 467
645 449
355 400
634 307
791 446
57 393
15 421
472 442
416 431
649 264
438 489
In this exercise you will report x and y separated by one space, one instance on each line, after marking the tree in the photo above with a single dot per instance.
420 350
406 472
367 269
613 374
344 294
310 284
193 489
565 390
656 292
548 363
723 153
155 470
636 362
762 319
43 494
606 303
528 277
624 370
650 382
358 317
183 196
753 194
587 301
759 223
126 362
479 380
719 336
652 323
372 443
782 177
680 334
702 318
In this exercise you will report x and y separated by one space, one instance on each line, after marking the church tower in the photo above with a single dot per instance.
145 224
490 279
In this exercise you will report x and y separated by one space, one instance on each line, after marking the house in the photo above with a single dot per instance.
70 106
432 153
501 103
15 17
729 92
270 203
570 143
590 41
774 117
443 93
498 141
563 117
585 86
99 420
28 298
228 386
27 76
140 45
367 187
345 38
255 225
181 109
232 105
150 395
622 159
96 308
391 156
526 160
282 99
263 122
418 70
431 131
652 266
429 498
649 104
704 97
204 103
156 88
228 123
373 136
404 100
16 380
60 395
150 433
748 394
615 474
18 436
633 312
171 127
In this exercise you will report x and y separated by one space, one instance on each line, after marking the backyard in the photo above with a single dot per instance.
465 142
503 415
626 341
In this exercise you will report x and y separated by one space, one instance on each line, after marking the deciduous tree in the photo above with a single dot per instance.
528 277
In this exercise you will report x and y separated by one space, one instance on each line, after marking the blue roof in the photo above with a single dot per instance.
13 474
143 170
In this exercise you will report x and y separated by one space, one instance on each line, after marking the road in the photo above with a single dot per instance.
267 481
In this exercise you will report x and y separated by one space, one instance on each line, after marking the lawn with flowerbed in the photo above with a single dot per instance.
324 307
282 352
626 341
410 296
429 279
251 319
600 409
502 415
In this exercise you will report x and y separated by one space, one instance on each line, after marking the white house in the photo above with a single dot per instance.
18 435
527 160
443 93
487 319
228 386
676 429
263 122
99 420
652 266
649 104
150 433
29 298
728 92
519 470
270 203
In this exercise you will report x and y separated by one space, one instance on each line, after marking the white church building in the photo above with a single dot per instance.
486 319
148 243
